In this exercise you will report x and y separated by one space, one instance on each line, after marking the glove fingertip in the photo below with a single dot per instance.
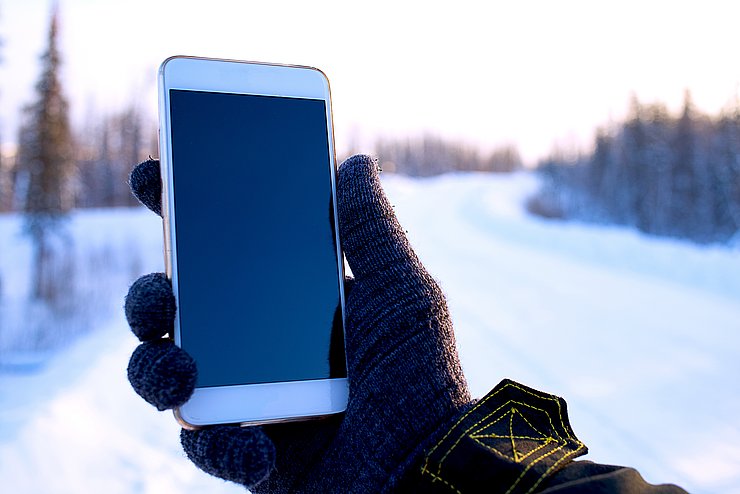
150 306
244 455
162 373
371 236
146 184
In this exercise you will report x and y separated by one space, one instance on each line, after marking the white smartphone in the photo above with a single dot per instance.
251 239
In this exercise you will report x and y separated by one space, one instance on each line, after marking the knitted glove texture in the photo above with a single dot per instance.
405 378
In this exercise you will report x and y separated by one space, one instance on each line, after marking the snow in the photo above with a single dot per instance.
640 335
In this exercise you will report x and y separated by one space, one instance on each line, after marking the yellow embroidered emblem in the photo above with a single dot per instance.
526 430
516 446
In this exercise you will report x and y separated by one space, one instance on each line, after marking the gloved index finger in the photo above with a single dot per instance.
372 238
145 181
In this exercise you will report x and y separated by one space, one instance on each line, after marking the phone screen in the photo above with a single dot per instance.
257 263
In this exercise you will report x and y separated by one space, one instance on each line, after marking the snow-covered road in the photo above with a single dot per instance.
640 335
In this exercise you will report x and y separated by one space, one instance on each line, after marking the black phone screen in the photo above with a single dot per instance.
256 257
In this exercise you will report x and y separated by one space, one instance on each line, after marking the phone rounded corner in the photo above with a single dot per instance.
184 423
344 399
166 62
327 88
322 74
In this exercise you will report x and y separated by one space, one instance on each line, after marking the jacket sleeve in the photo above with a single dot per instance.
516 440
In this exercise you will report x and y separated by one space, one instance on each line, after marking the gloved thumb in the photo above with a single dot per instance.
372 238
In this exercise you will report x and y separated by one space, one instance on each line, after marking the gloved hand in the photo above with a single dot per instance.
405 380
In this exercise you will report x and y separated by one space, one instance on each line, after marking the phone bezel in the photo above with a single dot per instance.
252 403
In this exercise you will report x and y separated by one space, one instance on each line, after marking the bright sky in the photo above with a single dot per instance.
532 73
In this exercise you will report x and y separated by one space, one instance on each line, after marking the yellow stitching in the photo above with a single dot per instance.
516 456
552 426
496 436
524 472
485 400
475 407
547 441
439 470
547 472
549 398
535 428
511 412
552 467
458 423
511 434
505 456
442 480
473 427
498 419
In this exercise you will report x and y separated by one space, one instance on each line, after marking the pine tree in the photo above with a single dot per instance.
45 161
601 165
655 186
726 159
629 182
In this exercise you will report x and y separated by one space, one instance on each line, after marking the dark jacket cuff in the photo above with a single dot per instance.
510 442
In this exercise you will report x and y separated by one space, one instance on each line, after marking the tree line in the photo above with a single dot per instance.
670 175
430 154
664 174
56 168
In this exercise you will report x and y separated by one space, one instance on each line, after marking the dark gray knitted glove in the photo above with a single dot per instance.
405 379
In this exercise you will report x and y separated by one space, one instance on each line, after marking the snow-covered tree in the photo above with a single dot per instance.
676 176
725 152
45 161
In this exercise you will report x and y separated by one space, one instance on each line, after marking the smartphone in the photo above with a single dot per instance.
251 239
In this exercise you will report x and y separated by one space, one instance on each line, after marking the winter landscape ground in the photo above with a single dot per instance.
641 336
